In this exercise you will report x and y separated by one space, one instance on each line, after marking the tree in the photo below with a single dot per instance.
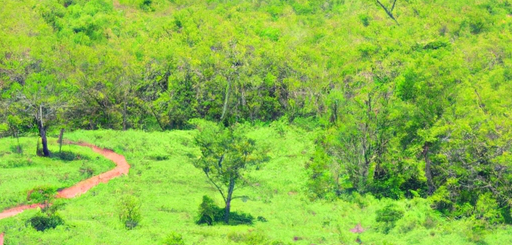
226 155
37 100
36 94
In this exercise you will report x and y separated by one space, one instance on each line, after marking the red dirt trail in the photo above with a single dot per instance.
80 188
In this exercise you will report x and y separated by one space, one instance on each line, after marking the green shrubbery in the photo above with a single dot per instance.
388 216
210 214
173 239
129 211
42 222
47 218
41 194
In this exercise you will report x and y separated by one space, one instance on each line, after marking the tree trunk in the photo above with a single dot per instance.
44 141
61 138
42 133
157 119
124 114
226 99
428 171
228 200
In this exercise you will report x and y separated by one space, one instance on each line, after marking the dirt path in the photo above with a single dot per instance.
80 188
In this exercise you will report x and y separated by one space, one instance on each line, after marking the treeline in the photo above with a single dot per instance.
416 109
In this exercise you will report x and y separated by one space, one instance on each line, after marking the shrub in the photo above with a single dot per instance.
389 215
42 222
41 194
365 19
146 5
240 219
261 219
47 218
68 156
86 170
441 200
487 210
129 212
248 238
173 239
210 213
18 149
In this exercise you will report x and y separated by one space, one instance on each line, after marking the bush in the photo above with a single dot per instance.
47 218
236 218
210 213
487 210
42 222
86 170
389 215
41 194
251 237
68 156
173 239
129 212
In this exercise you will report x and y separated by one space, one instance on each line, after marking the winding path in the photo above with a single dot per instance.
80 188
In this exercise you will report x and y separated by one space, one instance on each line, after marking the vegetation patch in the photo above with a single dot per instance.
210 214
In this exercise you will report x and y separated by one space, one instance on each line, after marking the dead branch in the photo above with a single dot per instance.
389 11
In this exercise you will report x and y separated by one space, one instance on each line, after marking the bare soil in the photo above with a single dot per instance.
80 188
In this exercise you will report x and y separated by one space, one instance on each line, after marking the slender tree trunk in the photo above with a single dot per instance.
228 200
226 99
124 114
428 171
156 118
42 132
61 136
19 145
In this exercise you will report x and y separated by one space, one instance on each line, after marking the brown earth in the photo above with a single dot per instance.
80 188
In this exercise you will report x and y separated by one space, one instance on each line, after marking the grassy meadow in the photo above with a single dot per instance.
169 189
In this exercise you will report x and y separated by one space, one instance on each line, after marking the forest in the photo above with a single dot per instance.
258 121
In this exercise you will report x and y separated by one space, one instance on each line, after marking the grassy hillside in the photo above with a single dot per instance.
169 189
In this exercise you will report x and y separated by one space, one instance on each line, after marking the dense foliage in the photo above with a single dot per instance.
156 64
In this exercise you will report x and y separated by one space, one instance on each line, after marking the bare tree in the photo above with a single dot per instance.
389 11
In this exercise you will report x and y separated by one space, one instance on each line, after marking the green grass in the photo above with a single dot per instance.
170 190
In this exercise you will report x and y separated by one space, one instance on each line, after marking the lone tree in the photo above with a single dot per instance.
38 102
226 154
